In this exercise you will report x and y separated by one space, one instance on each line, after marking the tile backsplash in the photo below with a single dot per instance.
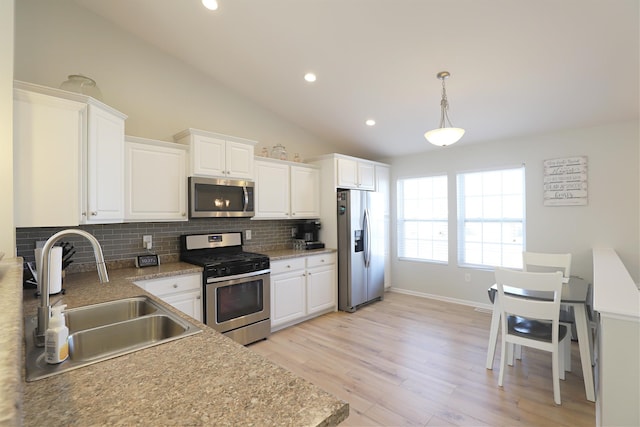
122 242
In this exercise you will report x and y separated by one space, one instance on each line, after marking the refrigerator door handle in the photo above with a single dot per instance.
367 238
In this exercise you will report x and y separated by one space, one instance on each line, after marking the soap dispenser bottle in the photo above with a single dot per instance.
55 340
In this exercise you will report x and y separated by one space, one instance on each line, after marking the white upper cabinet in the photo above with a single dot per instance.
68 158
286 190
355 173
272 190
305 192
216 155
155 180
105 166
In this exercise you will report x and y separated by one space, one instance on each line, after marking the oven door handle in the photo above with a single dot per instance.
237 276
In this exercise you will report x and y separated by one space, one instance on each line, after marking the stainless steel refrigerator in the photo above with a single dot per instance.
360 248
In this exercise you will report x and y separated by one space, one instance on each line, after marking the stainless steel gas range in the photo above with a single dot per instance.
236 285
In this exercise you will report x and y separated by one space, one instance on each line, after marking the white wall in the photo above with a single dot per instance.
610 218
160 94
7 230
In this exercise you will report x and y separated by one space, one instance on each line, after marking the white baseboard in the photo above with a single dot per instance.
488 308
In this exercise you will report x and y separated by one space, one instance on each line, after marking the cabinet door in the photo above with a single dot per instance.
239 160
105 167
190 303
287 297
366 176
347 173
155 178
321 288
271 190
208 156
305 192
48 134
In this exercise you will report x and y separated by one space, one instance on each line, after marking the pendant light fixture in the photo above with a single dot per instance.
446 134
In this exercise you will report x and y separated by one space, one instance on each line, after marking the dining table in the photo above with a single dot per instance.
575 293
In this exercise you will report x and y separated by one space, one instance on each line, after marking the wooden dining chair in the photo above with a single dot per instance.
544 332
546 263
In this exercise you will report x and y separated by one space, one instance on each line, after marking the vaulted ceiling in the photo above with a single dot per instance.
518 67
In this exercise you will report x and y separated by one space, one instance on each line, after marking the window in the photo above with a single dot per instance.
423 218
491 218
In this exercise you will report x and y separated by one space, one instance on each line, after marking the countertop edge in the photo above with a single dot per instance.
11 385
279 254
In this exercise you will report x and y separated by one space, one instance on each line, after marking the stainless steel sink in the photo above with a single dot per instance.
92 316
106 340
103 331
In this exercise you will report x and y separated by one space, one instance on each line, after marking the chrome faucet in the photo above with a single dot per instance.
44 309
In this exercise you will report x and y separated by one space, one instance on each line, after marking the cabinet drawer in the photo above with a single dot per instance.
286 265
319 260
173 284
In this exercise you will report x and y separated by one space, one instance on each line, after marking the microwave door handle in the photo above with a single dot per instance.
246 199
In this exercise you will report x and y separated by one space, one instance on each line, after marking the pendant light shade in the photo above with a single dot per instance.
446 134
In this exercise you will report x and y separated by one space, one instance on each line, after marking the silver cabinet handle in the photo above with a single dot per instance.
175 285
94 213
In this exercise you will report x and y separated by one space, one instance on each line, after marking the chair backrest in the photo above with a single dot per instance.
549 285
545 262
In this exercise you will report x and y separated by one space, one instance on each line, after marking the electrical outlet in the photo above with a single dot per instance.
147 241
467 277
247 234
293 232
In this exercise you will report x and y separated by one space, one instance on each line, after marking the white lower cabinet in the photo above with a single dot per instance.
183 292
302 288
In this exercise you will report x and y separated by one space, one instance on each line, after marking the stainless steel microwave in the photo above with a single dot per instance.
212 197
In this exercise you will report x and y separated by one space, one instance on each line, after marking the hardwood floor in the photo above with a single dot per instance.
409 361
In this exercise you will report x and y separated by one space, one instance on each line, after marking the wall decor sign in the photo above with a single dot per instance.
565 181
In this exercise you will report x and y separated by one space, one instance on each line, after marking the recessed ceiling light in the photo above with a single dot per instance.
310 77
370 122
210 4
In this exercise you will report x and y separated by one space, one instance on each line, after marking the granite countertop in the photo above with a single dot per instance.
11 359
203 379
278 254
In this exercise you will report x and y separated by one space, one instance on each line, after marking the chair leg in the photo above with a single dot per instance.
566 347
510 354
555 368
562 351
503 361
518 352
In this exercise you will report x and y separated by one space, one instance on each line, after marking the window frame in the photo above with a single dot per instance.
401 220
462 222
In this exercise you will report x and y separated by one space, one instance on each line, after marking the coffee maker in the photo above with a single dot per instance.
308 232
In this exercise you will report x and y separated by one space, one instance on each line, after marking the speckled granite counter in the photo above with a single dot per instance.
275 255
204 379
11 360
